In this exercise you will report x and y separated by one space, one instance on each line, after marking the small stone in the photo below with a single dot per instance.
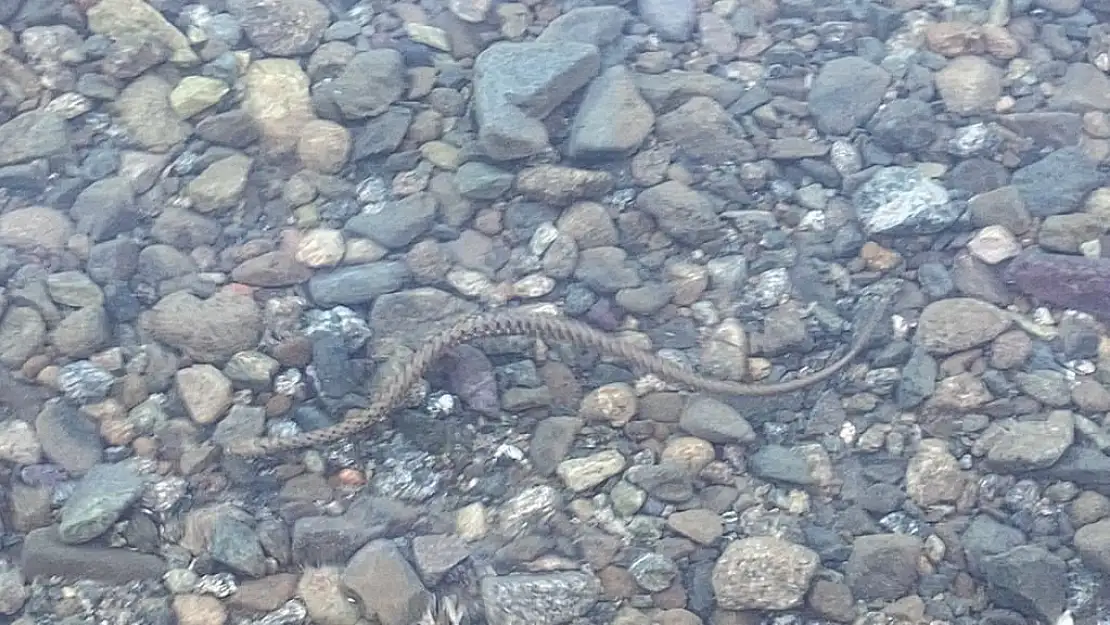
205 392
194 94
322 247
100 499
580 474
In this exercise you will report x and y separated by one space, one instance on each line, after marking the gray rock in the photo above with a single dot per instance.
22 332
1021 446
334 539
34 134
600 25
382 134
682 212
236 545
1057 183
653 571
396 224
105 209
538 599
282 27
44 554
209 330
673 20
613 117
100 499
715 422
68 438
763 573
357 284
902 201
370 83
386 583
115 260
1029 579
408 316
704 130
516 85
82 382
846 93
607 269
953 325
481 181
883 566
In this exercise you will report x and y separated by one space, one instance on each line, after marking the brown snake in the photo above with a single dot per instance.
394 390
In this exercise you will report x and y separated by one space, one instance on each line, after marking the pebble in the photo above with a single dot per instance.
100 499
205 392
581 474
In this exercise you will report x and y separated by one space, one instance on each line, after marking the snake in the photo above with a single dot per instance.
393 391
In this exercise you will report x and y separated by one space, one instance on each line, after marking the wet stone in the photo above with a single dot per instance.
44 554
763 573
357 284
83 382
435 555
235 544
538 599
68 437
1057 183
387 585
100 499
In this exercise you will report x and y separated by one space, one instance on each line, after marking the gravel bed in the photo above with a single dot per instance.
233 219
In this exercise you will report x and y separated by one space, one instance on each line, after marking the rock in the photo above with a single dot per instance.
1029 579
22 333
1049 278
763 573
369 83
282 27
195 94
953 325
271 270
235 544
105 209
969 85
846 93
143 109
883 566
120 19
325 597
98 501
538 599
208 331
220 186
516 85
715 421
396 224
382 134
18 443
1022 446
481 181
205 392
435 555
277 98
934 476
581 474
387 585
409 316
902 201
324 146
597 25
82 332
613 118
68 437
705 131
673 20
607 269
682 212
1058 183
1093 543
184 229
43 554
35 228
31 135
357 284
556 184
